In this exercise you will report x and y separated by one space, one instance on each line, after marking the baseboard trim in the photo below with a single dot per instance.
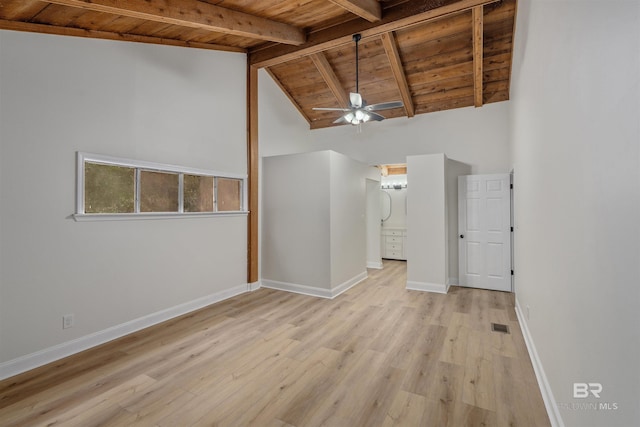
348 284
57 352
547 395
254 286
312 290
297 288
428 287
453 281
373 264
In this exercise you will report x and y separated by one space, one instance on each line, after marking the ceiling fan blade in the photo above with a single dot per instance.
384 106
340 120
375 116
330 109
355 99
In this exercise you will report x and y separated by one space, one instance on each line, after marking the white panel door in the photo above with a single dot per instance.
484 231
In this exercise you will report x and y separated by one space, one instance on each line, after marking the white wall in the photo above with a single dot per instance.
281 128
60 95
374 258
348 219
296 221
427 253
314 228
476 136
576 156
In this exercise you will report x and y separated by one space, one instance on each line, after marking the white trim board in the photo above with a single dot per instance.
427 287
254 286
547 395
312 290
373 264
57 352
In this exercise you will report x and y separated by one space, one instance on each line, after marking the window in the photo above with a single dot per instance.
109 189
114 188
198 193
158 191
229 193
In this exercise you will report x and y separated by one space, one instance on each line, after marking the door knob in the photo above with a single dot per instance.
462 236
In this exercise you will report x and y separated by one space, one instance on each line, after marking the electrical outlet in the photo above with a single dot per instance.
527 308
67 321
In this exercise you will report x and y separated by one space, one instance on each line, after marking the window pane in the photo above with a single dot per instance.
158 192
198 193
108 189
229 194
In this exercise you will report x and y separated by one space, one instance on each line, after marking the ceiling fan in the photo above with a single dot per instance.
359 112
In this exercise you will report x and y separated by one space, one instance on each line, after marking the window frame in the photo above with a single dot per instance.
140 165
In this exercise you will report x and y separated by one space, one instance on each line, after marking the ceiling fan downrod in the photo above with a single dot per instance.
356 38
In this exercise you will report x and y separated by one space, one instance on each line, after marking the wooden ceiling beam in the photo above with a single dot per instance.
195 14
478 31
367 9
107 35
329 76
394 18
391 48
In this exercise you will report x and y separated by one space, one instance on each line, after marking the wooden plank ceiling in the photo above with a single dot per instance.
431 54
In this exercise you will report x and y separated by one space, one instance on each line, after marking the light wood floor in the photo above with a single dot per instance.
378 355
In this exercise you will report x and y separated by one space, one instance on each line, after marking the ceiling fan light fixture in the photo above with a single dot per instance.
350 117
358 111
357 117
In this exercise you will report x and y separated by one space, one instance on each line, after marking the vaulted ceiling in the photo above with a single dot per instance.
431 54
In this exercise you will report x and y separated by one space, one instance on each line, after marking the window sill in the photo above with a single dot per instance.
157 215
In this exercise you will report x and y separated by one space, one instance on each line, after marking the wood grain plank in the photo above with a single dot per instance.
367 9
106 35
390 47
478 31
261 359
330 78
401 16
196 14
21 10
454 349
407 409
479 383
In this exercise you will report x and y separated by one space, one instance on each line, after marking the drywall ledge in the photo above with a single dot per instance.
545 388
51 354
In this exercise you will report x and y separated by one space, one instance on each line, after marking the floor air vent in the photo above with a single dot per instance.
499 327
